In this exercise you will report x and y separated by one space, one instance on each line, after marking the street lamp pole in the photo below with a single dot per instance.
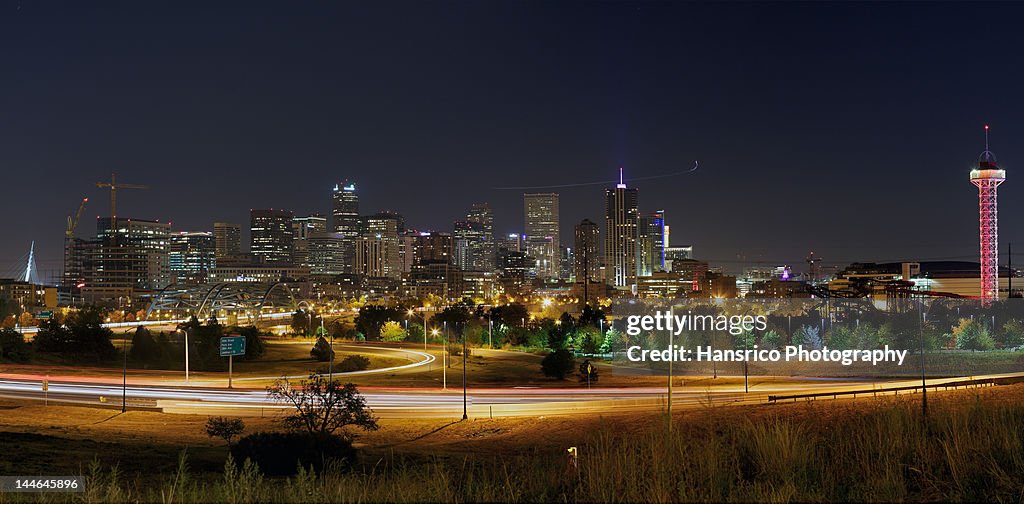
124 373
924 384
186 354
464 394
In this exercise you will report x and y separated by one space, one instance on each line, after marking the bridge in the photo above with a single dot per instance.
251 299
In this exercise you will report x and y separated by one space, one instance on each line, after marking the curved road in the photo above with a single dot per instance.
395 402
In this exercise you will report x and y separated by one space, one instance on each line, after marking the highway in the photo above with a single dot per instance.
420 402
208 396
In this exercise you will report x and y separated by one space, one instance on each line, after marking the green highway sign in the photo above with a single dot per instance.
45 314
232 346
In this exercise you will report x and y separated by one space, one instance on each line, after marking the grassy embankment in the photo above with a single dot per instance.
970 448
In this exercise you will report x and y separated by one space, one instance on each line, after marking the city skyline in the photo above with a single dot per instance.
860 121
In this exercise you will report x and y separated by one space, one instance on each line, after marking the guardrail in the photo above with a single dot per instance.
875 392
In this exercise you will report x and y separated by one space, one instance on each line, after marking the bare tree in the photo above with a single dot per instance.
225 428
323 406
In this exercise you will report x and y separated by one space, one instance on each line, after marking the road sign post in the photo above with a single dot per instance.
46 392
232 346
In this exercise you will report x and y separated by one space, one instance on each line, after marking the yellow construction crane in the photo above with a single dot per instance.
114 186
73 222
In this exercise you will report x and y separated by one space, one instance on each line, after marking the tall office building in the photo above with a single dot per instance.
586 258
228 239
345 213
511 242
621 218
302 228
377 247
377 256
482 214
325 253
542 232
651 243
133 257
272 238
432 247
192 255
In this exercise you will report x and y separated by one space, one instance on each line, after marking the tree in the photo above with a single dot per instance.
13 346
323 406
592 316
301 322
513 314
558 364
254 345
144 348
972 335
223 427
588 372
322 351
82 335
612 341
392 331
1012 335
372 317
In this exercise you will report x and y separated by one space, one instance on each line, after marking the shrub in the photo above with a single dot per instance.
322 351
354 363
278 454
588 372
558 364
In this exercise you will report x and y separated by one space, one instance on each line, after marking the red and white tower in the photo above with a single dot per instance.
987 176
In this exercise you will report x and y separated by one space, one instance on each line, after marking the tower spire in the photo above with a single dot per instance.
622 183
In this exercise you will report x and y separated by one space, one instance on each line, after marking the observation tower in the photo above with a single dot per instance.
987 176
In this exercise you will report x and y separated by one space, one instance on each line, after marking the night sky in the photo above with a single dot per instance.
846 129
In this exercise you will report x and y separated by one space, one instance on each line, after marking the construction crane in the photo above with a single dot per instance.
114 186
73 221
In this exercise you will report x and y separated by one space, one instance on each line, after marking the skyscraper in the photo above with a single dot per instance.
272 238
377 247
586 259
482 214
542 232
345 213
651 243
228 239
468 246
302 228
192 255
132 257
324 253
621 218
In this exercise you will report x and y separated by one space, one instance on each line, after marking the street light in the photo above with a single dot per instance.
465 410
124 373
444 359
185 331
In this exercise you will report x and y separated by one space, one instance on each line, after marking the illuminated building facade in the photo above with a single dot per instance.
272 238
345 215
227 239
622 218
542 232
587 262
192 255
